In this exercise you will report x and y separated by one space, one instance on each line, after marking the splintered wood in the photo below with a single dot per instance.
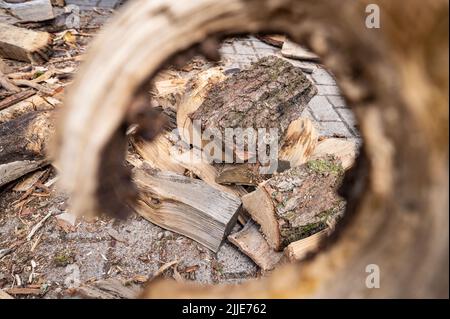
185 205
297 203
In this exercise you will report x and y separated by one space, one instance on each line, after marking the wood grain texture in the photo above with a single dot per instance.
186 206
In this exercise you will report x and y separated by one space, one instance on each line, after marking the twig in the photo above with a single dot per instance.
33 85
7 84
38 226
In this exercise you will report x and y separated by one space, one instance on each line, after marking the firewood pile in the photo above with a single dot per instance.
190 187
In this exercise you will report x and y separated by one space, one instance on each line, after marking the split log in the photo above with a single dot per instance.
196 91
205 171
241 174
168 89
158 153
344 150
186 206
252 243
24 45
294 51
300 249
24 144
30 10
271 93
298 202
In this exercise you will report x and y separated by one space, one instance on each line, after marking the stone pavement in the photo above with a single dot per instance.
327 109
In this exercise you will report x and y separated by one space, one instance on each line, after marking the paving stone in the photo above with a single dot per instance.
322 109
321 76
337 101
328 90
349 118
227 49
330 129
244 47
89 4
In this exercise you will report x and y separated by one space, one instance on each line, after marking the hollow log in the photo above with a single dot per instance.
395 79
24 143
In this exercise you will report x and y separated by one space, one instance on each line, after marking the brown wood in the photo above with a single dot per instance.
186 206
342 149
252 243
400 103
294 51
271 93
23 44
7 84
24 144
298 202
29 104
276 40
302 248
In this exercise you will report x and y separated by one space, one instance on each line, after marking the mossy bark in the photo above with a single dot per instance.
305 198
271 93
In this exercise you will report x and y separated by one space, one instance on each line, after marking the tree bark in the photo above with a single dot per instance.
24 144
298 202
271 93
